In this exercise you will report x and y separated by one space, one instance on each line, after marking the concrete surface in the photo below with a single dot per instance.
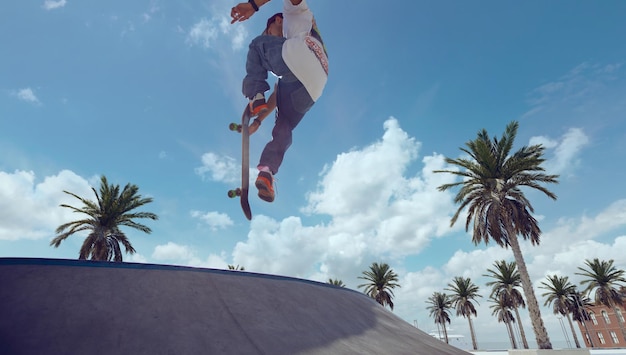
54 306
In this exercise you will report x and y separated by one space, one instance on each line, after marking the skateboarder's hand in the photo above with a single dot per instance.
241 12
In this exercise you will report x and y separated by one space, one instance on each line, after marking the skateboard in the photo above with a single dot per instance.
244 129
242 191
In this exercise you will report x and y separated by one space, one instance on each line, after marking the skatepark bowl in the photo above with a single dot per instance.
58 306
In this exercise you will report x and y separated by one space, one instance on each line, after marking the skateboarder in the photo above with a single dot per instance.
291 47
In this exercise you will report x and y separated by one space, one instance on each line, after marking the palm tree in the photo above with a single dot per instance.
381 282
464 293
580 306
559 292
603 278
505 287
103 221
499 210
440 303
502 311
336 282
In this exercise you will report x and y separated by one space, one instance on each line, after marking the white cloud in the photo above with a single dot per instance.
225 41
482 259
135 258
566 150
216 33
581 233
51 4
374 211
219 168
129 28
367 191
27 95
215 220
237 35
30 210
202 33
212 261
543 140
285 245
608 68
172 251
416 287
185 255
147 16
363 180
574 92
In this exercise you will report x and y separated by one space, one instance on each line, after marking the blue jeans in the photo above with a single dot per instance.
292 99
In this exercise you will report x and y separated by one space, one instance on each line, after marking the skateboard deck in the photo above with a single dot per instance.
244 129
242 191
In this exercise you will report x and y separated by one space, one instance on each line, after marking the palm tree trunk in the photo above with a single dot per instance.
509 329
571 325
474 344
584 323
445 332
521 328
541 334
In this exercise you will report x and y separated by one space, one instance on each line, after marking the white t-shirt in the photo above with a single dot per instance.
303 50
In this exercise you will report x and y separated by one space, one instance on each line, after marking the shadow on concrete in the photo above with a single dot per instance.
55 306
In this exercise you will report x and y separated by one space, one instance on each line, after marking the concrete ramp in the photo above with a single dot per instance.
54 306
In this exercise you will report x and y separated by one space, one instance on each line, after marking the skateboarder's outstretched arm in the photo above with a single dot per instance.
245 10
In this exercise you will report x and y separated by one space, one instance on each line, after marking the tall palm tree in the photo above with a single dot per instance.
103 220
464 294
559 294
490 189
604 280
336 282
505 287
381 282
502 311
580 311
440 303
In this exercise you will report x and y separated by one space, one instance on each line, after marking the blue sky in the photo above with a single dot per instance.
143 92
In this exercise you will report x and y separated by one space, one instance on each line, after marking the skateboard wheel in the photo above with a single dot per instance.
234 193
234 127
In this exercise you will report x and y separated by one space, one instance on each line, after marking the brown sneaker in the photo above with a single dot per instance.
264 183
